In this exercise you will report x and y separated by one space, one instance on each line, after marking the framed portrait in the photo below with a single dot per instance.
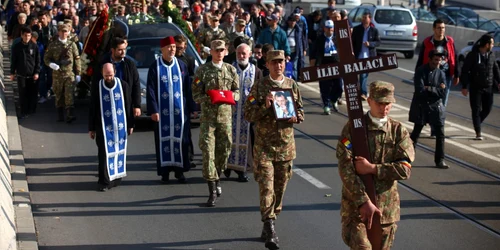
283 104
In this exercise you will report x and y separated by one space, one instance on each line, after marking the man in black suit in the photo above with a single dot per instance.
365 38
126 70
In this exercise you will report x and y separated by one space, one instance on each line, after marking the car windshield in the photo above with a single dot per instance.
423 15
397 17
145 51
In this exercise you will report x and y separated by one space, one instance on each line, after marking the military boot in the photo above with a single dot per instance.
271 238
212 197
60 114
218 188
70 115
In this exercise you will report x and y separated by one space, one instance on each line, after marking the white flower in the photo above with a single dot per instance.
177 94
177 127
110 143
112 166
164 78
165 111
166 127
107 113
164 95
121 125
166 149
109 128
106 98
119 111
117 96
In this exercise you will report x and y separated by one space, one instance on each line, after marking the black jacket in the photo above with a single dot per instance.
357 40
479 72
426 105
318 52
25 59
130 75
95 122
189 61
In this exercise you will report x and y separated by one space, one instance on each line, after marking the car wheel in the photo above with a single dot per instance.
409 54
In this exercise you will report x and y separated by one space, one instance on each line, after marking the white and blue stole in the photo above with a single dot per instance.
240 149
114 127
171 104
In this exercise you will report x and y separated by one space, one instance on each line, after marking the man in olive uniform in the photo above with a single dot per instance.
391 152
63 58
215 122
210 34
274 148
239 32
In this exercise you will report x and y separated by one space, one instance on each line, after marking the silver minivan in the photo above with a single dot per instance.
396 25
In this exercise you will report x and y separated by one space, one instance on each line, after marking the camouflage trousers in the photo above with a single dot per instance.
354 235
272 177
64 89
215 144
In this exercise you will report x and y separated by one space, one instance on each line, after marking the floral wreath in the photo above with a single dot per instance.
172 14
94 40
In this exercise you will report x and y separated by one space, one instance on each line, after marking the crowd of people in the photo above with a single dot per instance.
246 123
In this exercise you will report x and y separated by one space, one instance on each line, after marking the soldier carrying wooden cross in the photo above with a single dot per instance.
374 151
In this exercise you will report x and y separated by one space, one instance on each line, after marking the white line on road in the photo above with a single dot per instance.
406 70
486 145
310 178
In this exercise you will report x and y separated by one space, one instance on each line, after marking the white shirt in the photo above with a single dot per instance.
291 37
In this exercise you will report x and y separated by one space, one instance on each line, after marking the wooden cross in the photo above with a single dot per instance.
348 69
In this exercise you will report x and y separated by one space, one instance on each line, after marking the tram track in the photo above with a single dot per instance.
439 203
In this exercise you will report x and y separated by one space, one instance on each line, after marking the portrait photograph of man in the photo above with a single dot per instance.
284 106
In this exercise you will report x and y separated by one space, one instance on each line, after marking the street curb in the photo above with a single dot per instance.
25 226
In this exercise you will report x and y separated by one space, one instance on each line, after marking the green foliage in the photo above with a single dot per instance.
170 10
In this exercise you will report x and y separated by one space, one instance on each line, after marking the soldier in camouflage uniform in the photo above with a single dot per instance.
63 58
391 152
210 34
215 128
274 147
239 31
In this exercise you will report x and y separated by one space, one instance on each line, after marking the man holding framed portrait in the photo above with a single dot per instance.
273 105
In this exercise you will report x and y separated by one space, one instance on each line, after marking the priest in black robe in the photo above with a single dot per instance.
169 103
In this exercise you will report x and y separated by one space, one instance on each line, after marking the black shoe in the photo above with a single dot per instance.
218 188
165 178
442 165
242 176
180 177
117 182
193 165
271 238
227 172
70 115
102 188
212 194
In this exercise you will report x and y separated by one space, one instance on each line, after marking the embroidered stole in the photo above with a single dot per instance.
114 127
240 149
171 104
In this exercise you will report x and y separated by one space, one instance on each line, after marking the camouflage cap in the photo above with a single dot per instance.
218 44
381 91
62 27
241 22
275 55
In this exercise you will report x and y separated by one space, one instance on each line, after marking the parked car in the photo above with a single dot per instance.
496 49
425 15
144 49
396 25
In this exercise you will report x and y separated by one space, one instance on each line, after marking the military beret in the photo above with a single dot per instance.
382 92
62 27
275 55
241 22
218 44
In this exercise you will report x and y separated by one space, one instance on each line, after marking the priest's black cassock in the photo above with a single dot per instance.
165 85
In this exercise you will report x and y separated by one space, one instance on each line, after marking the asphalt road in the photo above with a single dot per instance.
456 208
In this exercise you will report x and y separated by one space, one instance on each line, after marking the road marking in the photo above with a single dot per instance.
310 178
451 124
486 145
399 115
406 70
451 129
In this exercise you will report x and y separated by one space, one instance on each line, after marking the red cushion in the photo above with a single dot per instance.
221 96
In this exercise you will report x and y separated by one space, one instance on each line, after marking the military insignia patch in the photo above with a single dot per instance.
197 82
252 100
405 163
347 143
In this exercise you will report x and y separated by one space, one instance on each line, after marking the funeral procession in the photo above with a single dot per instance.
250 124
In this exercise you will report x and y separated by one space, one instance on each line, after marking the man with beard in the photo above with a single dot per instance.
274 148
125 70
243 136
169 102
110 123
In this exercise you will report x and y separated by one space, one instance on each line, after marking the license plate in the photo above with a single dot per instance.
394 33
